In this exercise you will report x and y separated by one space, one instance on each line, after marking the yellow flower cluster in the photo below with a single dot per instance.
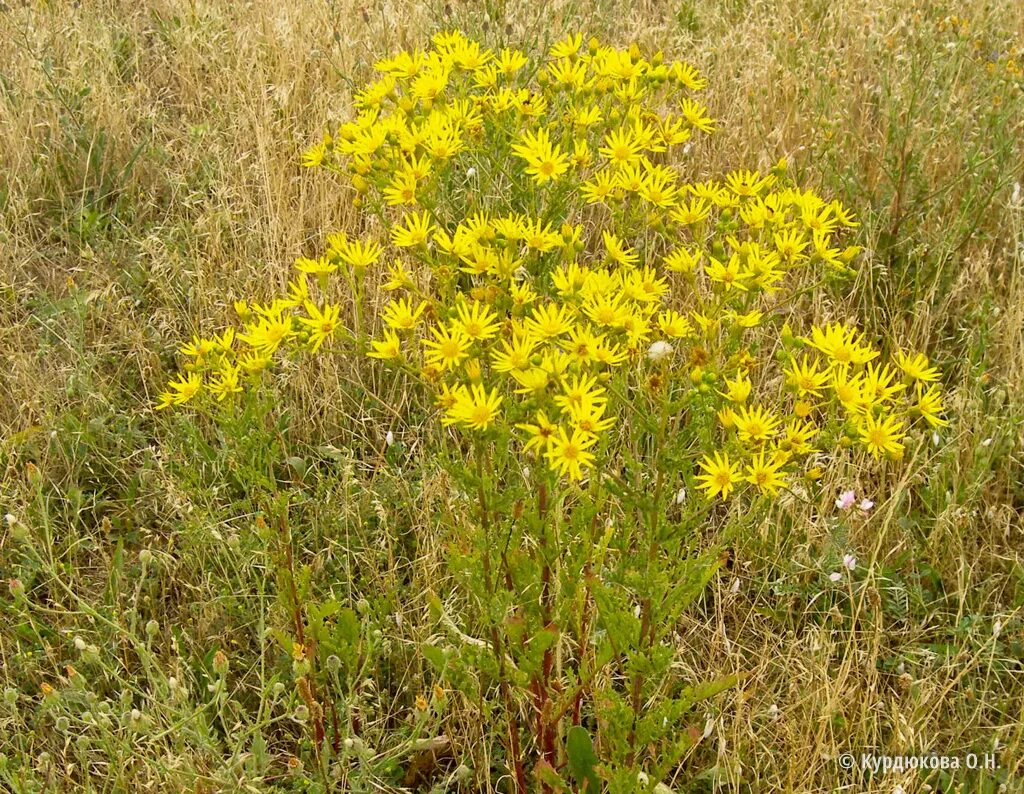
550 263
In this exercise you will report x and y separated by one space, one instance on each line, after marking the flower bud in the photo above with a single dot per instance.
32 473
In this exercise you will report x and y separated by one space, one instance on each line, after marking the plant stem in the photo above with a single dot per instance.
497 647
647 633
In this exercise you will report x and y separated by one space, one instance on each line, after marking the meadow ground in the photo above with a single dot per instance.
149 176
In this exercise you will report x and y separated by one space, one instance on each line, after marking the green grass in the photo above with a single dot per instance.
148 176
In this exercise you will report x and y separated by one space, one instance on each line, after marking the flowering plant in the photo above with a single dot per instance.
602 333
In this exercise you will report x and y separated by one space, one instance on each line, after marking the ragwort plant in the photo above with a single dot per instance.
602 340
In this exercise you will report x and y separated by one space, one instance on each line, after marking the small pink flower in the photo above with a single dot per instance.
849 561
835 576
866 504
846 500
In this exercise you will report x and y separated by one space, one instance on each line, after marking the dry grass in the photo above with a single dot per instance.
148 176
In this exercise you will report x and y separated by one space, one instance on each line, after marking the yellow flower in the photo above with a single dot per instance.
401 315
511 61
609 353
567 47
601 187
729 275
185 387
359 255
315 154
843 345
522 294
298 290
819 219
694 211
444 142
567 455
751 319
696 114
270 331
580 392
476 321
605 310
849 390
645 286
806 378
880 384
398 277
515 356
682 261
764 473
225 383
532 380
447 348
254 362
790 245
916 367
550 321
416 230
322 324
474 408
618 251
402 190
620 147
797 437
881 435
738 389
567 72
929 405
388 348
569 279
581 155
674 325
545 162
747 183
540 237
756 424
199 348
802 409
589 417
687 76
583 344
720 477
540 434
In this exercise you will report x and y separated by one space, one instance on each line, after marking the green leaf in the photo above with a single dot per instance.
582 760
694 576
706 689
347 629
616 618
434 655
